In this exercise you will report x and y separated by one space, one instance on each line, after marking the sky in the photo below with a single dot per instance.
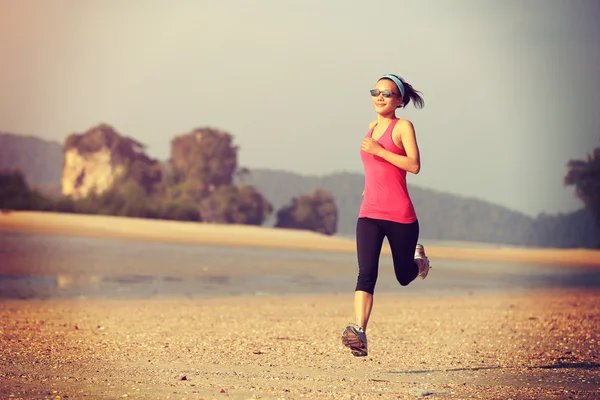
511 88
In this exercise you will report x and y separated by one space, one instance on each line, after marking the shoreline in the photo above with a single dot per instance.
150 230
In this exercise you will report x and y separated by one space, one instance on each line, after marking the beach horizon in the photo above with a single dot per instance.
167 231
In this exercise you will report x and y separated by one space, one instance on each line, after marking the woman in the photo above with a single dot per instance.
388 152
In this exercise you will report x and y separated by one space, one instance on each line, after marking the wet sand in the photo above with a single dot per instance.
538 344
254 236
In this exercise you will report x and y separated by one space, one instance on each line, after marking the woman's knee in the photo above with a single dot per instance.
404 281
406 273
365 287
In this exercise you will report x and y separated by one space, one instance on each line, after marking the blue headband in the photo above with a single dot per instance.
397 81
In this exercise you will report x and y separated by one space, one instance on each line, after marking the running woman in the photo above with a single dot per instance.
388 152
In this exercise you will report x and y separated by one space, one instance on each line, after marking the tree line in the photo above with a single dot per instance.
198 183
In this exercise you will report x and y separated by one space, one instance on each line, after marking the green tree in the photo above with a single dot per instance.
254 208
180 210
203 167
205 158
316 212
585 176
232 205
15 193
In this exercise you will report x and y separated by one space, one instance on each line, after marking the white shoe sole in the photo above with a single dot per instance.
351 340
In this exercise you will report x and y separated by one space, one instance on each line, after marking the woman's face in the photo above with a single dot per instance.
386 105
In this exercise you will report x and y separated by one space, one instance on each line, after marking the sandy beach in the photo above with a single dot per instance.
244 235
540 346
538 343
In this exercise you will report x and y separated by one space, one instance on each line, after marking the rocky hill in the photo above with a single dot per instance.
97 159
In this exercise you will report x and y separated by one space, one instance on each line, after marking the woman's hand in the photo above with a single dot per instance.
371 146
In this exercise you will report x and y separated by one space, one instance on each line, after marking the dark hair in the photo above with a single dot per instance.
409 94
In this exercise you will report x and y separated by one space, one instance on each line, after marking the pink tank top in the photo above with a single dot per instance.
386 195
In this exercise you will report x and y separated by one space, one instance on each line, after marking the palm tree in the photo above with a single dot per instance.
585 176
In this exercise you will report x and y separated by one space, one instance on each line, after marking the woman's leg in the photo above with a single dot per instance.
403 240
369 239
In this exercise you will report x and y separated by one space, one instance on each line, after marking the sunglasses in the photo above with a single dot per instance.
386 93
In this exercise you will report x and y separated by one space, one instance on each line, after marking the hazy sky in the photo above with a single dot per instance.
511 87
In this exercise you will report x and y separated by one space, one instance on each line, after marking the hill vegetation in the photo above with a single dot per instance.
442 216
195 184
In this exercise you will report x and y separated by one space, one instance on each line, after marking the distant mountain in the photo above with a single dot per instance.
442 216
40 160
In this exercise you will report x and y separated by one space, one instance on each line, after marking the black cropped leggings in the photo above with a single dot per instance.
369 240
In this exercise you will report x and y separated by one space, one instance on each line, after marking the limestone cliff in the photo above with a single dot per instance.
87 173
100 158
